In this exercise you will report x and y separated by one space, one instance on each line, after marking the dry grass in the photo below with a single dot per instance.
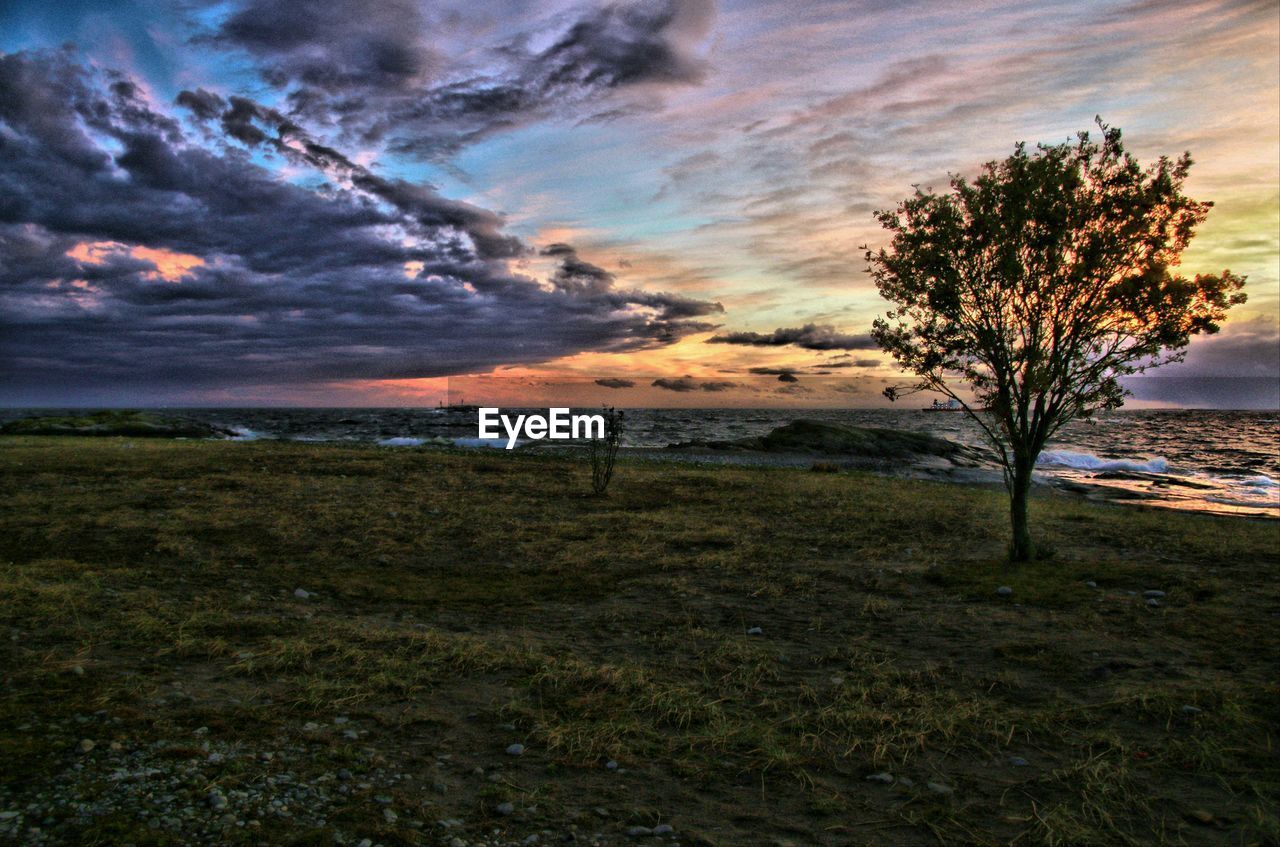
454 593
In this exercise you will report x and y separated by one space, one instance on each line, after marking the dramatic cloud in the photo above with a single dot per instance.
809 337
334 46
612 382
132 255
686 384
371 68
312 191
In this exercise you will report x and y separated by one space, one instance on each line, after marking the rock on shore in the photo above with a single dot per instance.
818 437
115 422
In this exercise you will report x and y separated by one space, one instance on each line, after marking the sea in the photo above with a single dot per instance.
1196 460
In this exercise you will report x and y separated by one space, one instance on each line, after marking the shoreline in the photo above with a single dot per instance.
1174 459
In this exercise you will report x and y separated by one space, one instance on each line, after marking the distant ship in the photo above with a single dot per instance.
939 406
456 407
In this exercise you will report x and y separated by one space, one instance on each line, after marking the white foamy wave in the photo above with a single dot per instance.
483 442
243 433
402 442
1090 462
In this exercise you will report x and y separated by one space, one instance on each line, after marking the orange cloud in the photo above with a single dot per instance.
169 264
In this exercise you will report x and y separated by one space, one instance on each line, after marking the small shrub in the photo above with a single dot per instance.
604 451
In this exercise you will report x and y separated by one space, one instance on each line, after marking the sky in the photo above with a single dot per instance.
394 202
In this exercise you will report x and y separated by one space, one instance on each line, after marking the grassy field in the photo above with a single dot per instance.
729 652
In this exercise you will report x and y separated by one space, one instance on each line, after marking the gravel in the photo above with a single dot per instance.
203 789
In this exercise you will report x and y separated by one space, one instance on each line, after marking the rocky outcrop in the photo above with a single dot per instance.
115 422
826 439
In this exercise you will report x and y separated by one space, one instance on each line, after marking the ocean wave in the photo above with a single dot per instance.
243 433
1090 462
483 442
402 442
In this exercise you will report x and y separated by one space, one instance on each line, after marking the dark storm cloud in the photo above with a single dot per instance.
809 337
255 125
205 105
686 384
333 45
783 374
611 382
367 278
367 67
574 274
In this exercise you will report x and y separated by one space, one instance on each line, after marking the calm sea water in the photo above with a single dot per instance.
1220 461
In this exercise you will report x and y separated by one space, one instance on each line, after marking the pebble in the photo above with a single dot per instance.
505 809
389 816
365 842
755 630
301 593
1091 584
216 800
1191 710
663 829
1018 761
906 782
1153 602
611 765
639 831
1152 594
939 788
884 778
85 746
515 750
1004 591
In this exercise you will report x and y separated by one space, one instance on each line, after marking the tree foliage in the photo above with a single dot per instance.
1042 283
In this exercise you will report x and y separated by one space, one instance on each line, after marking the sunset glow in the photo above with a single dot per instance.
496 207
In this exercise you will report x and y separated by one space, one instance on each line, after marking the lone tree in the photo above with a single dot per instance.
1038 285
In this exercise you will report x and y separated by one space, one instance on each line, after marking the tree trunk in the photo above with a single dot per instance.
1021 550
